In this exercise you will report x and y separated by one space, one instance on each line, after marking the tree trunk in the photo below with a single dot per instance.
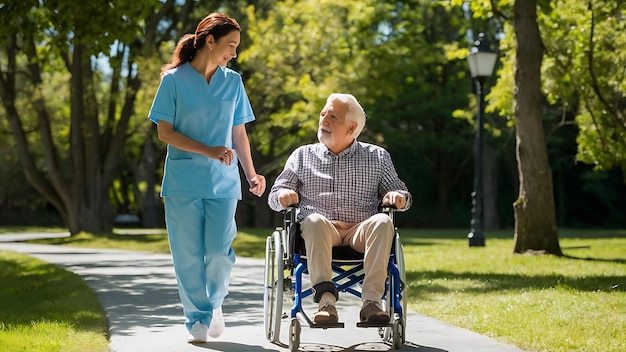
153 213
535 224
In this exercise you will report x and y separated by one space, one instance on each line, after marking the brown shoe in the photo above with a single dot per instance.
327 315
372 313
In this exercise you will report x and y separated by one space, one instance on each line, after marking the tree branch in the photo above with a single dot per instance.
594 79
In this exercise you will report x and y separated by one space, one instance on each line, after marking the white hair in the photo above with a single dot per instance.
355 111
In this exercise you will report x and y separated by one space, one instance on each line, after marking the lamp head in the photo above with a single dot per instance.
481 59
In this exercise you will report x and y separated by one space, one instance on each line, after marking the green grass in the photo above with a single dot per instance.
537 302
147 240
540 303
18 229
44 308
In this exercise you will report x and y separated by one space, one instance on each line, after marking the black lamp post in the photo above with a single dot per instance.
481 61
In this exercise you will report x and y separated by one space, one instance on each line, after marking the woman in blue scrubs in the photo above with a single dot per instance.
201 108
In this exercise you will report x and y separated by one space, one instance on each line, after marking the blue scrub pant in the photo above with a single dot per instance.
200 233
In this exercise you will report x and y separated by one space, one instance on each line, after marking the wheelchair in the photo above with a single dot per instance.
285 264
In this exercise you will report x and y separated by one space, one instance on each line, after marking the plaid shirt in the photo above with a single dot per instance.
346 187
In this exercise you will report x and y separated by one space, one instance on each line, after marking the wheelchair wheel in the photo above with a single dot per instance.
403 287
396 334
294 335
273 290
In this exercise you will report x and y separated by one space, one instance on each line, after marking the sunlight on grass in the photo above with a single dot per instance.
539 303
18 229
45 308
48 336
147 241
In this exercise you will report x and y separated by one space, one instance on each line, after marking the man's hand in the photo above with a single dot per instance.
394 198
287 197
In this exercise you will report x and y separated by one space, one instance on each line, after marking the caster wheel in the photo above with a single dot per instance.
294 335
398 334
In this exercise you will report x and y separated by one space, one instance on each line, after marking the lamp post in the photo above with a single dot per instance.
481 61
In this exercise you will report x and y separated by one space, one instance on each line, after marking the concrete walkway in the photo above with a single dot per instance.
139 293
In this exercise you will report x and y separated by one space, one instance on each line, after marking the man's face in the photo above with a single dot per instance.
334 131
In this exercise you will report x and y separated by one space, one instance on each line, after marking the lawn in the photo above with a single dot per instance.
541 303
44 308
537 302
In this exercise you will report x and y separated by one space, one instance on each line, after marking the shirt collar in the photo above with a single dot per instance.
343 154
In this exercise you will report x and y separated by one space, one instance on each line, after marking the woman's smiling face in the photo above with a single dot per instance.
224 49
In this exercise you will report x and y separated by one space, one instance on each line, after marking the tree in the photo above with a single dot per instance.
79 145
535 222
584 72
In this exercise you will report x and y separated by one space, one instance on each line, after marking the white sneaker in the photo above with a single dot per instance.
198 333
216 328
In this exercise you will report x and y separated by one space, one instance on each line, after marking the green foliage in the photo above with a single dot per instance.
586 56
583 72
309 59
500 96
405 61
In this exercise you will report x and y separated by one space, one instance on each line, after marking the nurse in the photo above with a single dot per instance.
201 108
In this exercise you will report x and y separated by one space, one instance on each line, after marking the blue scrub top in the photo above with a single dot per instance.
205 112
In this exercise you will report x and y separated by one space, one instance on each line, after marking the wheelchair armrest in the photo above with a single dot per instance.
292 239
289 216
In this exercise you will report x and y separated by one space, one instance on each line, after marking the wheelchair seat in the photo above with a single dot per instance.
340 253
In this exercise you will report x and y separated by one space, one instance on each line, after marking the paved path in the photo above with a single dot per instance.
139 293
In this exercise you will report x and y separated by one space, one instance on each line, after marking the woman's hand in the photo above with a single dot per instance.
257 185
223 154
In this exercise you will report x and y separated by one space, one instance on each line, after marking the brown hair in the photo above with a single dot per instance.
216 24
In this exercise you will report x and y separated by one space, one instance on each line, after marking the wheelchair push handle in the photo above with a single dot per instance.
387 208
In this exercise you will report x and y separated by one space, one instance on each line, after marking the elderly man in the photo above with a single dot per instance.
339 184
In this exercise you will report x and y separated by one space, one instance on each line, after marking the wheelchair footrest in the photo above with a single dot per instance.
373 325
327 326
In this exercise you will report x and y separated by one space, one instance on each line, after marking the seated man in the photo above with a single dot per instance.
339 184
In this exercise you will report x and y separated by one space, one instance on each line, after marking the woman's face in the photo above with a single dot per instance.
224 49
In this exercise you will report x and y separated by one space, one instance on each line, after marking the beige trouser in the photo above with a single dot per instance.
373 237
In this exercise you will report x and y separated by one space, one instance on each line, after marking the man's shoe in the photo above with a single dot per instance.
216 328
326 315
198 333
372 313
